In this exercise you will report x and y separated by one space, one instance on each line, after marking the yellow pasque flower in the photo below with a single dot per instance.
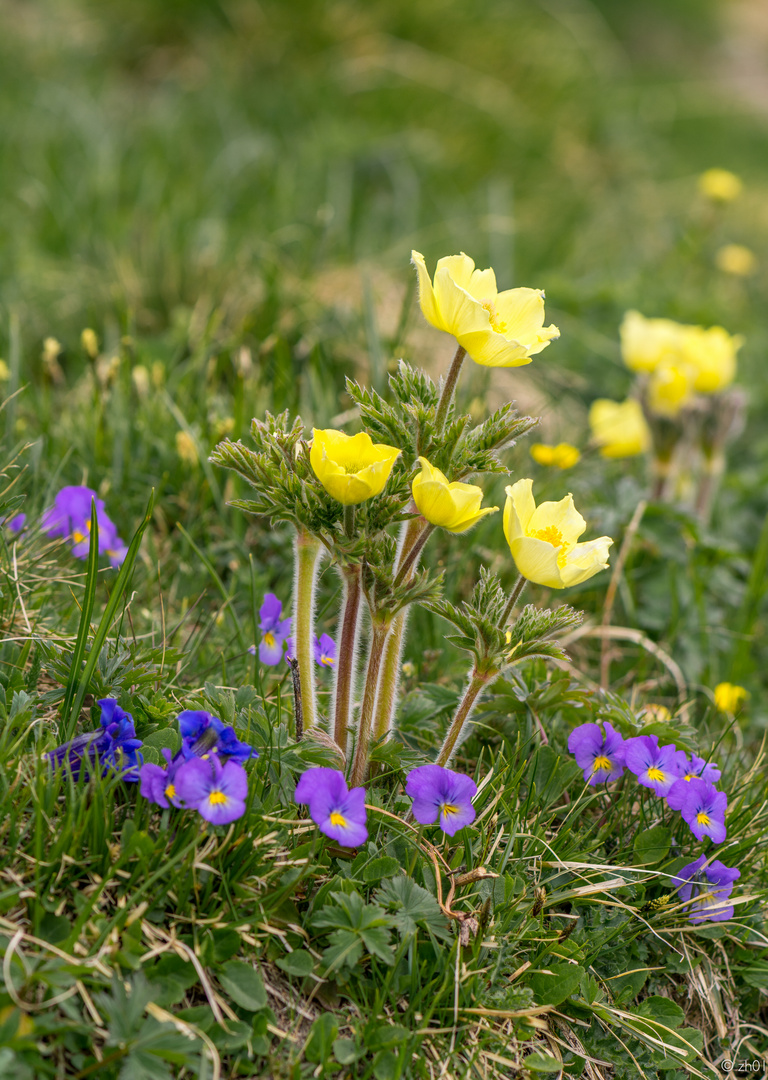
562 456
543 538
351 468
498 329
736 259
670 387
720 185
619 427
453 506
729 696
712 356
646 343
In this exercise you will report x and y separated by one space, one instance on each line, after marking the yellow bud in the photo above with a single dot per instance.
140 379
90 342
351 468
453 506
51 350
619 428
736 259
562 456
186 449
729 697
720 185
5 371
497 329
543 539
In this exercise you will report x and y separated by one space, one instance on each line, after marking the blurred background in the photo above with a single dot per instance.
227 193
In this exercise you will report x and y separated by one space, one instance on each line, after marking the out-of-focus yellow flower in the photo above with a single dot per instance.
670 387
562 456
5 371
140 379
453 506
729 697
351 468
158 375
657 714
720 185
543 538
619 427
712 356
51 350
186 449
736 259
90 342
646 343
498 329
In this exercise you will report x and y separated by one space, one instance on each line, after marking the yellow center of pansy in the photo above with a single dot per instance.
601 762
78 536
170 792
690 776
338 819
497 323
217 798
656 774
702 818
449 808
269 639
551 535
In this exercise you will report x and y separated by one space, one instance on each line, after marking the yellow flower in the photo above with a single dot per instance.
90 342
351 468
5 371
453 506
140 379
656 714
646 343
543 538
619 427
729 697
736 259
497 329
670 387
562 456
51 350
720 185
186 449
712 356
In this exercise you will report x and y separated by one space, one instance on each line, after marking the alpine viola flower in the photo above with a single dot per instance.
562 456
696 767
729 697
15 524
204 736
601 757
704 889
325 650
702 806
70 517
496 329
441 793
453 506
113 747
337 812
274 628
351 468
218 792
656 767
720 185
542 540
619 428
157 784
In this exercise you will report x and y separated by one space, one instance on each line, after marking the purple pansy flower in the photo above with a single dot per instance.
325 650
337 812
656 767
702 806
439 792
274 628
157 783
697 766
114 746
203 734
70 517
218 792
15 524
708 887
601 758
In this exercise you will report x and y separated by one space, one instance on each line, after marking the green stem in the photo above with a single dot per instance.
347 654
349 521
307 562
448 388
410 560
466 705
514 596
379 631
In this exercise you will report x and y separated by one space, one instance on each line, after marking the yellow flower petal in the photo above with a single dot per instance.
562 456
537 561
720 185
351 468
557 519
619 428
712 356
670 388
453 506
646 343
729 696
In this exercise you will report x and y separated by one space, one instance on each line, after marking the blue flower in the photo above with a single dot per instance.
704 889
443 794
601 757
70 517
114 747
337 812
325 650
203 734
275 630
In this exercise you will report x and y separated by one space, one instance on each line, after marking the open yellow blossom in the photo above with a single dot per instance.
453 506
729 696
497 329
562 456
543 538
720 185
712 356
351 468
646 343
736 259
670 388
619 427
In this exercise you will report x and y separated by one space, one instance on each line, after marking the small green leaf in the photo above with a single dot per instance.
298 963
663 1010
542 1063
652 845
346 1051
556 983
321 1038
385 867
166 738
244 985
386 1066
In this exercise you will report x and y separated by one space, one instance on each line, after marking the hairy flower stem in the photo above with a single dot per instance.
379 631
476 683
446 397
307 562
347 654
409 561
514 596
